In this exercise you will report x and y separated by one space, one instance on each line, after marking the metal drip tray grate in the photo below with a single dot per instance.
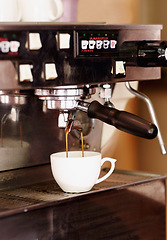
47 192
123 206
121 178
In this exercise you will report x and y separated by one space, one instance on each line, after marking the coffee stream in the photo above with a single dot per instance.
68 130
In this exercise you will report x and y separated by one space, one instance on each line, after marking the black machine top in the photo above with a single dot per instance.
78 53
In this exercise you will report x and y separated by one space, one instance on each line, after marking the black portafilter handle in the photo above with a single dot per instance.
122 120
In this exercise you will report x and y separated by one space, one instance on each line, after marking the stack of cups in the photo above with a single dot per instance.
30 10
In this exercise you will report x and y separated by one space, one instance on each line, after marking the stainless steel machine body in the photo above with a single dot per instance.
45 67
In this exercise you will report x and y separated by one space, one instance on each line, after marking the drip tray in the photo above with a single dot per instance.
128 205
40 194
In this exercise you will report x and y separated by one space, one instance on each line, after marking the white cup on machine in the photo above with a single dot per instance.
40 10
9 11
75 173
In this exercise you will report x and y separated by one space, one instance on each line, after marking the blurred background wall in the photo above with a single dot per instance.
131 152
149 156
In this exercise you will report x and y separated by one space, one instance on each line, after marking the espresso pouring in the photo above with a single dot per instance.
68 129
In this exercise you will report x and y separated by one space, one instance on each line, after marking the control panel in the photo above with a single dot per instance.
59 54
10 43
96 43
15 44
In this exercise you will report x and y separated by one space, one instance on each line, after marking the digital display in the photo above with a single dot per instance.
93 43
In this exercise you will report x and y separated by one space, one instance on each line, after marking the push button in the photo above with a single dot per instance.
34 41
25 73
64 41
14 46
50 71
120 68
5 46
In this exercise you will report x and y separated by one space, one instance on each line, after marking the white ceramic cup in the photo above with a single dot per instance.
76 173
40 10
9 11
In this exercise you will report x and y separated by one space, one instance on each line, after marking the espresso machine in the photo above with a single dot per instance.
49 74
53 73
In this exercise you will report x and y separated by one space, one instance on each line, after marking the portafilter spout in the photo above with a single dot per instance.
122 120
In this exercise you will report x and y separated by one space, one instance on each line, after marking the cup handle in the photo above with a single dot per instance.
59 7
112 161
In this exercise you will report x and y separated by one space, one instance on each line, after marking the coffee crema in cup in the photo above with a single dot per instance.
68 129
